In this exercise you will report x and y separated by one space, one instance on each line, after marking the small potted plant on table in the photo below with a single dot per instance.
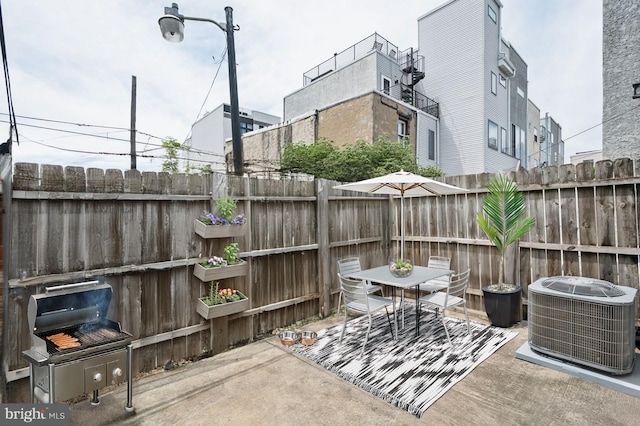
400 268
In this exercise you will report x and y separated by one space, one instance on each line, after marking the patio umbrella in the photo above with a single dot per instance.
404 184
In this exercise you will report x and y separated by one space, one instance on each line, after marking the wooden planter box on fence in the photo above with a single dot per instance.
215 311
211 274
218 231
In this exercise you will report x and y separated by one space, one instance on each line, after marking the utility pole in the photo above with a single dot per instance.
132 135
238 160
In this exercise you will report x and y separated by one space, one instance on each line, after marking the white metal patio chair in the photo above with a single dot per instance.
439 283
434 284
357 300
454 296
349 265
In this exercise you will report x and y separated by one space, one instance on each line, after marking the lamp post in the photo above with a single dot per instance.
172 28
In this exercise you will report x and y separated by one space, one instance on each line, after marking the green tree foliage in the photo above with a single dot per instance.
171 147
311 159
363 160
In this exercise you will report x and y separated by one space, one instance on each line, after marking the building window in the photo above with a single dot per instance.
402 130
518 137
493 135
503 139
432 145
503 81
245 127
494 83
535 134
386 85
521 92
520 148
492 14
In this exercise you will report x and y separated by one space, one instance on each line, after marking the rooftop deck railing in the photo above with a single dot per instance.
357 51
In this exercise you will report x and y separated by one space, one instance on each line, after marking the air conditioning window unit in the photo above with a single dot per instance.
585 321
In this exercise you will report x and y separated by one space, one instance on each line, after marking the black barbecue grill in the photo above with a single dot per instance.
102 352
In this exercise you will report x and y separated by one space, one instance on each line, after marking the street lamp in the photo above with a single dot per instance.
172 28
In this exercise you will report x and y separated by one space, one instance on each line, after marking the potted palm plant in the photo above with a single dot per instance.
502 220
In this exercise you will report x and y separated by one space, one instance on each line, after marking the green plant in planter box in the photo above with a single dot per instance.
225 210
502 220
225 207
219 296
230 257
231 253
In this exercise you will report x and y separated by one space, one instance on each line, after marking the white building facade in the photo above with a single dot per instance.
209 134
470 74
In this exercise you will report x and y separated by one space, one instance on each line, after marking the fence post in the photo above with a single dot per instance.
322 215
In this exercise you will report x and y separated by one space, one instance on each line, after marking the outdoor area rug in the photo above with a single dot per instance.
412 372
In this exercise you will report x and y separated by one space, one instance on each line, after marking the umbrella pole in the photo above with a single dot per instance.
402 227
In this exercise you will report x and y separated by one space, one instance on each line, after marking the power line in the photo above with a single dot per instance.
194 150
545 149
605 121
71 131
224 53
13 125
79 125
141 155
66 122
164 157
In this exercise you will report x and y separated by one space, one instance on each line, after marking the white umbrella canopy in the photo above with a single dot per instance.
404 184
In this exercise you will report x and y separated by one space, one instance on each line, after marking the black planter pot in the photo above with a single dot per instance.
502 307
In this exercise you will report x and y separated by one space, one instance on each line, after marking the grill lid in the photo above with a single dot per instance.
582 286
68 305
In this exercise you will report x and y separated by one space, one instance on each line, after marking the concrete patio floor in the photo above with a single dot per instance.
264 383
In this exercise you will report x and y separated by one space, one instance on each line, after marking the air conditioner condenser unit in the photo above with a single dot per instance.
585 321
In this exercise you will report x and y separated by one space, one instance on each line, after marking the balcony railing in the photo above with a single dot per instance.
355 52
418 100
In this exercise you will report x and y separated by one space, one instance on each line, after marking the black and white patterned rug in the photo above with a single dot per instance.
411 373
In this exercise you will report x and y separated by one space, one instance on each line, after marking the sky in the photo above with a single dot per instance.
71 65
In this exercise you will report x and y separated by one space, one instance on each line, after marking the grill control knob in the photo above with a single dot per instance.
117 372
97 377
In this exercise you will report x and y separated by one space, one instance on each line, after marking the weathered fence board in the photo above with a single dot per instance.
568 216
626 216
605 223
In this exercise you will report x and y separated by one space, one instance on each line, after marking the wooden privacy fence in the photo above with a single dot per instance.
586 225
135 231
